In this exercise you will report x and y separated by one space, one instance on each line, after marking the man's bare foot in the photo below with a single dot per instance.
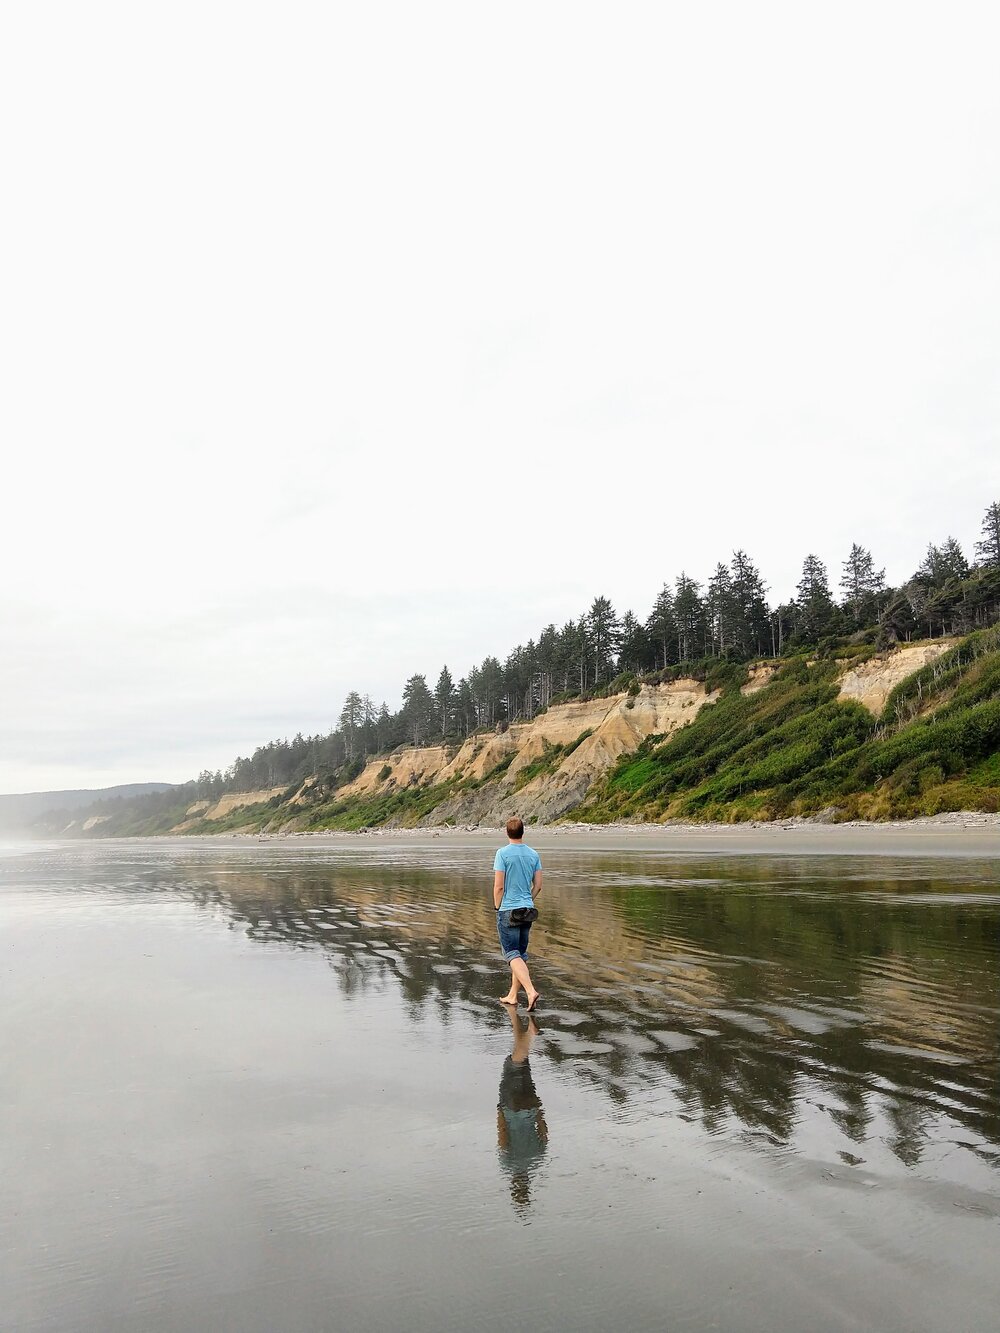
533 999
508 999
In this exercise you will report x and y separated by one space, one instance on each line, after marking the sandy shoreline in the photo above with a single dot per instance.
963 834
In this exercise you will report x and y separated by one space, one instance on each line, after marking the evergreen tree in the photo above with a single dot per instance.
418 708
579 639
689 612
444 693
602 629
368 720
661 627
383 726
635 651
861 583
942 563
529 679
749 601
816 612
548 664
465 707
988 547
490 680
351 719
719 610
783 626
517 683
565 667
953 560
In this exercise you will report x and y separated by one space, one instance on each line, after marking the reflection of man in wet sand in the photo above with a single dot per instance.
517 886
521 1129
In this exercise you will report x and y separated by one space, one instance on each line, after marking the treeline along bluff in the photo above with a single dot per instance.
864 702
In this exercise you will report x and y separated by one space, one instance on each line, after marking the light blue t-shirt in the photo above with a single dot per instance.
518 864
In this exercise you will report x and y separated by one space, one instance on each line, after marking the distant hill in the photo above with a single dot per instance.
19 811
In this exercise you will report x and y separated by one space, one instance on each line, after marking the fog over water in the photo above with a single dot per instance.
258 1086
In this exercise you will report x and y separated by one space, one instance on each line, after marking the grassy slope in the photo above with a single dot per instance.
794 748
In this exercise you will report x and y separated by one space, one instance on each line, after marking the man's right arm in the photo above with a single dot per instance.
536 884
498 878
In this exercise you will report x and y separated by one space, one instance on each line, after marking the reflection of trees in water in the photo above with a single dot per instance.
854 1114
909 1128
734 999
744 1080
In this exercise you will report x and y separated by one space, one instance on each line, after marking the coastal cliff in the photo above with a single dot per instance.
912 730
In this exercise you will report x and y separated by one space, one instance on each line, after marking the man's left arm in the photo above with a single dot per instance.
497 888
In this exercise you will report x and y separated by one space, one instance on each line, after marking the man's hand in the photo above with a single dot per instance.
498 878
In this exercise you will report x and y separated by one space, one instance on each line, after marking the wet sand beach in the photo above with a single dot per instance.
963 834
266 1084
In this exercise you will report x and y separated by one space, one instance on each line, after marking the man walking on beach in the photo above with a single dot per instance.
517 886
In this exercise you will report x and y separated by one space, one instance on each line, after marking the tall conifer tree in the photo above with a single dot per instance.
860 584
816 611
444 693
988 546
602 628
689 611
662 626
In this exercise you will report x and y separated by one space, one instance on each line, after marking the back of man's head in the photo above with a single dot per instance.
515 828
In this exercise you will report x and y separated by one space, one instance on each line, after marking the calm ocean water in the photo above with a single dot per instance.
268 1086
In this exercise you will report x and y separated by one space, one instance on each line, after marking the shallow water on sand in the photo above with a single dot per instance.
264 1087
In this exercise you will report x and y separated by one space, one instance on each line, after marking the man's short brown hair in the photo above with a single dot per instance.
515 827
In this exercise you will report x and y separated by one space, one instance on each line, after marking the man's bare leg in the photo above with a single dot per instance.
511 996
520 976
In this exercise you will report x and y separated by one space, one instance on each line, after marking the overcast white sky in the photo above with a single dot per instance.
343 340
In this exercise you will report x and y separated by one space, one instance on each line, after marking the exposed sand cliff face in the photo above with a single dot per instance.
225 805
408 767
871 683
758 675
617 726
479 755
655 710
